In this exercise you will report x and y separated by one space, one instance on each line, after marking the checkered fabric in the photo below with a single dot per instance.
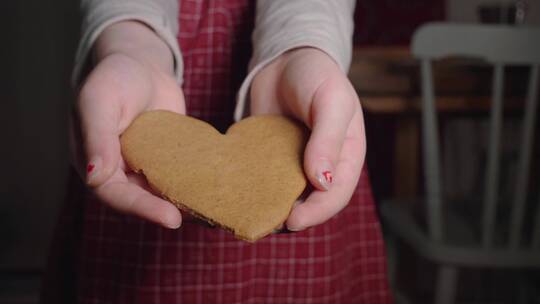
127 260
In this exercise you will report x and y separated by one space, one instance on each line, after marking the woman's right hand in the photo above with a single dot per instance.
133 73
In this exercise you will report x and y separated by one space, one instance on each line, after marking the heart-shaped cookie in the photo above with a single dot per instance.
245 181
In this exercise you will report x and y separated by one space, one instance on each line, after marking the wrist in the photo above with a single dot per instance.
278 65
137 41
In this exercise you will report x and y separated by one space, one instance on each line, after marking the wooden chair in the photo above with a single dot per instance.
501 46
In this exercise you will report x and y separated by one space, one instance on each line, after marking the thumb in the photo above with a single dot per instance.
99 120
332 109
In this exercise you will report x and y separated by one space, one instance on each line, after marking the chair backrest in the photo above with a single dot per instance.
500 46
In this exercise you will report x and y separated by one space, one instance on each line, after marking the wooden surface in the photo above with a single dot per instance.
387 80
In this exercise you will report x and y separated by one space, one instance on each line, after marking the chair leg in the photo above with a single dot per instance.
391 257
523 290
446 284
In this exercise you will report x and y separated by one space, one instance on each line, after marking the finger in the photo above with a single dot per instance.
322 205
282 227
99 115
140 180
99 128
130 198
115 81
332 109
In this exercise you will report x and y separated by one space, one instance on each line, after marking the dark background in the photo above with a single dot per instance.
38 41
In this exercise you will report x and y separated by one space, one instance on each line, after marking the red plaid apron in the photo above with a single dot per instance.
127 260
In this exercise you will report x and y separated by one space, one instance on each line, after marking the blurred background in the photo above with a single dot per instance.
39 39
36 59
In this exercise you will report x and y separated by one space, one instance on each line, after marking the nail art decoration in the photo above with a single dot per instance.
325 179
328 176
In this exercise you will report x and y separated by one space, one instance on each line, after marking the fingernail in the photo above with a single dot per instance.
173 225
325 176
92 169
295 229
171 221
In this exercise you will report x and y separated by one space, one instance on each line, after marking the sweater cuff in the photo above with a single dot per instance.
283 25
105 13
242 100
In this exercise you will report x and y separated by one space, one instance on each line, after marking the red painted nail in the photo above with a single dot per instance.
89 168
328 176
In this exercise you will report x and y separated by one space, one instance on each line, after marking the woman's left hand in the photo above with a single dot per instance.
307 84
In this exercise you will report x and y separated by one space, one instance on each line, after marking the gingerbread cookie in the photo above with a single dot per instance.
245 181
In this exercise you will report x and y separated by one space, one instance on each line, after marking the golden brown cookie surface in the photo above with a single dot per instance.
245 181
